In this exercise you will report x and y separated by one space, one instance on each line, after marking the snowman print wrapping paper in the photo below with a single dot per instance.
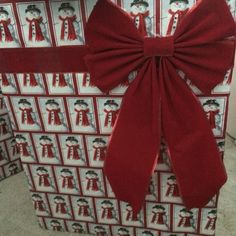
62 123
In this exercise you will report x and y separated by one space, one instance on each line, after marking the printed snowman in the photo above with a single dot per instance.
31 83
77 228
38 202
13 169
84 210
47 147
83 116
99 147
93 184
2 155
69 25
44 180
3 127
67 180
172 187
186 219
55 118
56 225
61 83
123 232
151 189
2 102
86 82
141 18
60 206
8 38
108 212
178 9
159 217
211 220
37 29
130 217
111 110
28 117
74 151
211 108
7 83
23 146
14 149
100 231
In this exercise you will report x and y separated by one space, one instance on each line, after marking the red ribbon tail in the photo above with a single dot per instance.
134 144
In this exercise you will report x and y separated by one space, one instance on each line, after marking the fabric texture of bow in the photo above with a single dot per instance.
159 102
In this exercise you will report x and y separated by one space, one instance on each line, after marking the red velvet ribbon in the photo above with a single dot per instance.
158 102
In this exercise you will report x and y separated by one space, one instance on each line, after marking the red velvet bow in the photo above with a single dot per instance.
158 102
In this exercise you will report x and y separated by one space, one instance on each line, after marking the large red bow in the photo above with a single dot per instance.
158 102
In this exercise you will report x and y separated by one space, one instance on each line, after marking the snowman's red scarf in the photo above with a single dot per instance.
158 102
142 25
179 14
38 32
71 28
8 36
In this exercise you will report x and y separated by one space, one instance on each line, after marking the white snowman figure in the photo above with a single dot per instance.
111 110
70 27
8 36
7 83
141 18
178 9
99 147
211 220
56 225
74 151
77 228
212 110
159 216
37 29
28 116
186 219
47 147
108 212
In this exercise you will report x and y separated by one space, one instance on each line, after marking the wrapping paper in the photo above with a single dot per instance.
10 163
62 123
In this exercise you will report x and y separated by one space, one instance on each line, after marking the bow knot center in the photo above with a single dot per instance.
159 46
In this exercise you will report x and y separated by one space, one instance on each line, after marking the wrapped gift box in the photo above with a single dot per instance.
62 123
9 154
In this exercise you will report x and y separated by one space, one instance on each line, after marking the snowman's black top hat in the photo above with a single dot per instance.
32 8
186 1
52 101
2 119
91 172
41 169
24 101
172 177
159 207
36 195
111 102
82 200
212 212
45 137
3 10
66 5
12 165
55 222
20 136
123 230
59 198
72 139
77 225
107 202
81 102
99 227
147 233
99 140
211 102
185 210
139 2
66 171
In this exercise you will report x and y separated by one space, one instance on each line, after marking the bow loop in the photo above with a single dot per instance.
159 46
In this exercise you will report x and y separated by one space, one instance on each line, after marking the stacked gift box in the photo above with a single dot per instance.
62 124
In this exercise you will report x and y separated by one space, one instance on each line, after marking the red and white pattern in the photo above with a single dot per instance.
62 124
